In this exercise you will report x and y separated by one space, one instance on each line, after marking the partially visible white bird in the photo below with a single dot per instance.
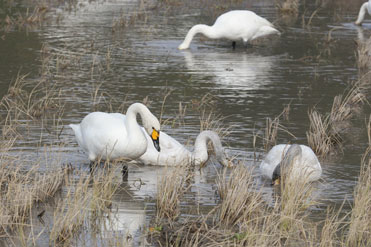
234 25
299 160
114 135
173 153
361 16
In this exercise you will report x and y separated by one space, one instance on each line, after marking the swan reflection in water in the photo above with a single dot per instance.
232 69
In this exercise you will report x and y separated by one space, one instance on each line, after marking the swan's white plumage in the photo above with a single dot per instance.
114 135
362 12
305 165
173 153
234 25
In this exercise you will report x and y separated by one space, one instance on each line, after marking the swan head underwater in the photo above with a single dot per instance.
295 161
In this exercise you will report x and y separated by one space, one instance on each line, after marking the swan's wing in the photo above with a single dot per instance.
118 116
310 164
103 134
169 143
172 152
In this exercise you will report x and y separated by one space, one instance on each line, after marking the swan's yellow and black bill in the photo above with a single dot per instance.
156 139
276 181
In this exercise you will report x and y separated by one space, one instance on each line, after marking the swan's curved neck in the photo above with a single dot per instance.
131 119
293 153
200 151
362 12
200 28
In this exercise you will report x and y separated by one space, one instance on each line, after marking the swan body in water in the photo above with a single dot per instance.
114 135
366 7
299 160
173 153
234 25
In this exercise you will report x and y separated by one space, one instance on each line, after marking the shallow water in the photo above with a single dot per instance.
248 85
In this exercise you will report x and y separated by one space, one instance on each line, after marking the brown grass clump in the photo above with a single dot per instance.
331 228
325 130
169 190
364 55
295 199
320 136
29 19
271 130
288 7
270 134
344 108
237 220
360 227
103 187
238 200
31 103
21 190
70 213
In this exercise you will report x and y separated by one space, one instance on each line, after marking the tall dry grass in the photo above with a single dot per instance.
320 136
270 134
364 55
360 227
288 7
239 202
325 131
21 190
170 190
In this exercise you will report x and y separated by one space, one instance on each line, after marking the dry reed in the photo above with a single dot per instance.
320 136
70 213
360 228
364 55
239 202
20 190
288 7
170 190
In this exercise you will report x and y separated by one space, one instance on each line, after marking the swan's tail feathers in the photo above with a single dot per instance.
77 130
75 127
265 31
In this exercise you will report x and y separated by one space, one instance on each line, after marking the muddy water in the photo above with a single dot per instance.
248 85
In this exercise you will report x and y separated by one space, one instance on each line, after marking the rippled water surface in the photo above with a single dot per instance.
139 60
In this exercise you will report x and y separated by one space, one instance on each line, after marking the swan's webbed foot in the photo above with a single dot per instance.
125 172
233 45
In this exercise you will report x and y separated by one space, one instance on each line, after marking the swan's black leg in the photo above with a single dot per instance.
234 45
125 172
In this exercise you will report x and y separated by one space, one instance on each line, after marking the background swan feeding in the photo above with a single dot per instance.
234 25
114 135
173 153
362 12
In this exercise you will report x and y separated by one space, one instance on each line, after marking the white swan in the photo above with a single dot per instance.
303 161
173 153
361 16
114 135
234 25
